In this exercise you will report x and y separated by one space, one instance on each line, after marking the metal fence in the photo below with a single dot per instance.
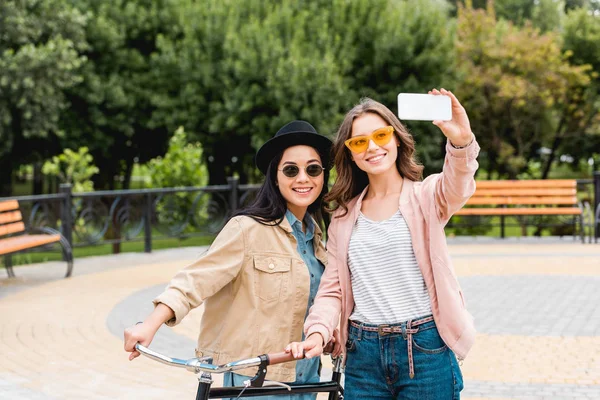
118 216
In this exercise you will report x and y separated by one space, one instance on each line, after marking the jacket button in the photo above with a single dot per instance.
271 266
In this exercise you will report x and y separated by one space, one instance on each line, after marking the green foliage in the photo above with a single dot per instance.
40 45
181 166
548 15
381 57
113 105
119 77
243 69
516 108
581 38
516 11
75 168
24 172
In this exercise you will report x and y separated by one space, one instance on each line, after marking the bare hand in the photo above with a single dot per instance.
337 344
141 333
311 347
457 130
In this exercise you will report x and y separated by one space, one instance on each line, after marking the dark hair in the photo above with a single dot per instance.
269 206
351 180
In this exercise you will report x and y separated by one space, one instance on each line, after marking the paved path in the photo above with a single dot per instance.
536 304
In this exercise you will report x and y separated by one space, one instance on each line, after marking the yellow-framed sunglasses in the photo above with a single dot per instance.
380 137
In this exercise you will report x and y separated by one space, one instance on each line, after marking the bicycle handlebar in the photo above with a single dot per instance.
196 365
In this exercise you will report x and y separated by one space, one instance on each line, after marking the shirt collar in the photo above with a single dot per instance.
297 224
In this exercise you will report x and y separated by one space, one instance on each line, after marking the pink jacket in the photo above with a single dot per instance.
426 206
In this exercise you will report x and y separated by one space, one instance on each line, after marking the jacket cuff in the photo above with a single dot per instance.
470 152
171 299
319 328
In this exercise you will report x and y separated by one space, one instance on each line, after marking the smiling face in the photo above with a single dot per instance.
301 190
376 159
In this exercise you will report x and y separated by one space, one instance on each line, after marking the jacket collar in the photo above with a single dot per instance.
285 225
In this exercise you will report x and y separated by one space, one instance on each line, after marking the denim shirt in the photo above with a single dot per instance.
307 252
307 370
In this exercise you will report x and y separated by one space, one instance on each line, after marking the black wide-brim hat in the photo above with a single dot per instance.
293 134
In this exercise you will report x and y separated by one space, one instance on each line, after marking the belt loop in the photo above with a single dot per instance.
411 366
360 330
403 326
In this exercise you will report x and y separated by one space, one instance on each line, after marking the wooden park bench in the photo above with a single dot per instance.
526 197
11 223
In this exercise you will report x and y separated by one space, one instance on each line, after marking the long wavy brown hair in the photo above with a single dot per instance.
351 180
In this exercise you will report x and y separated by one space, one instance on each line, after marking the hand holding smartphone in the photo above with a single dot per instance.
424 107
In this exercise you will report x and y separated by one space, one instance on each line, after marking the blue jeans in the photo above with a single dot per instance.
377 365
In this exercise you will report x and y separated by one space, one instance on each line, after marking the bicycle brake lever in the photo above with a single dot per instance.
259 378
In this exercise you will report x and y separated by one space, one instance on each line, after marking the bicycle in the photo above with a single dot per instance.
255 386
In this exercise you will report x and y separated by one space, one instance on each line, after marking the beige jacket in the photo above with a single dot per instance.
255 289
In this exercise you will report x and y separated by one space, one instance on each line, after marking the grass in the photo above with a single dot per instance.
32 257
490 227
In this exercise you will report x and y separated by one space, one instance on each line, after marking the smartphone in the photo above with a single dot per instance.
424 107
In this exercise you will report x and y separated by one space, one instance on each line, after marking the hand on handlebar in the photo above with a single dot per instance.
311 347
337 344
140 333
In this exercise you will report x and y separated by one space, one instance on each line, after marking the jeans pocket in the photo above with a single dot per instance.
429 341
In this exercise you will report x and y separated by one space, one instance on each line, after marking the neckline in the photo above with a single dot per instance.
360 214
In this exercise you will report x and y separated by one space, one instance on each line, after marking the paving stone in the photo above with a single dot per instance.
536 305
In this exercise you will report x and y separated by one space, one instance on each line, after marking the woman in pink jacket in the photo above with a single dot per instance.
390 277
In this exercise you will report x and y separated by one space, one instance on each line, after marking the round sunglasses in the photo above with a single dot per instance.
312 170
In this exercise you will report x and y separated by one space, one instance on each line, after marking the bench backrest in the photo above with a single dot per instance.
10 218
525 192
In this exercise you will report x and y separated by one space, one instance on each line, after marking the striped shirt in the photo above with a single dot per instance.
387 284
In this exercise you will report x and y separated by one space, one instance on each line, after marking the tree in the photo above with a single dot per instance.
548 15
593 5
515 82
181 165
243 69
580 134
40 44
113 106
517 11
545 14
73 167
380 57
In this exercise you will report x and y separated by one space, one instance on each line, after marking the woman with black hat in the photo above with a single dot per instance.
261 274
